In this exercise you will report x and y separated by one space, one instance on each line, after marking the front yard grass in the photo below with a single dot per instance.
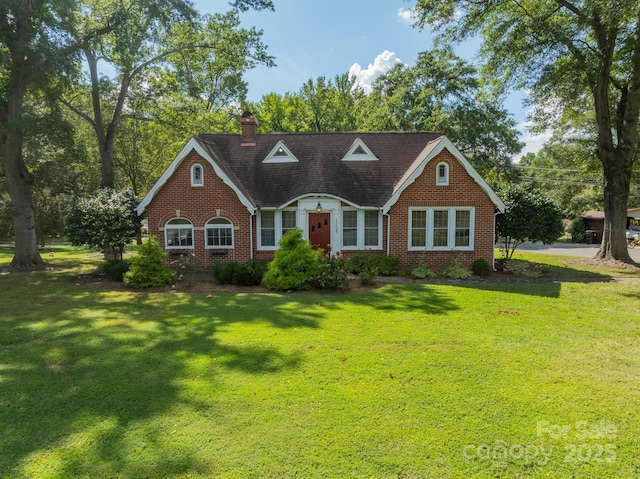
408 380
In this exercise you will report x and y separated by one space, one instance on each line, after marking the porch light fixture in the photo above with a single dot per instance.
319 208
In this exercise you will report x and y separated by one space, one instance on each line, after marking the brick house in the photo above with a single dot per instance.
408 194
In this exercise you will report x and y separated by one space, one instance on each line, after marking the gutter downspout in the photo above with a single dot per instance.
493 246
388 232
251 216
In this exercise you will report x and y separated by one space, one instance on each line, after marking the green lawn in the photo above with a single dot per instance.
404 381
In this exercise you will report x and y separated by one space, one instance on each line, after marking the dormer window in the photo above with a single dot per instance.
197 175
359 152
442 174
280 154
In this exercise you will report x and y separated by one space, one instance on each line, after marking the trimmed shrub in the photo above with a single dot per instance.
481 268
387 265
148 270
114 269
249 273
223 271
295 264
422 272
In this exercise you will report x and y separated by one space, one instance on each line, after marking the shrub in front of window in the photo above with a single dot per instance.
147 269
249 273
332 274
422 271
295 264
454 270
481 268
223 271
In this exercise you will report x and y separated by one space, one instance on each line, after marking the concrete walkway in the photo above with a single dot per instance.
570 249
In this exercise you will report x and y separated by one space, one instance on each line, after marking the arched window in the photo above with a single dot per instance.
197 175
442 174
218 233
178 233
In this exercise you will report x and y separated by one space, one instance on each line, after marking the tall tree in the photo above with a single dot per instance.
35 54
442 92
572 54
156 45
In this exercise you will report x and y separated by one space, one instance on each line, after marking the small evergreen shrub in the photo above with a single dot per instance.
223 271
147 269
454 270
387 265
114 269
366 261
295 264
481 268
249 273
332 274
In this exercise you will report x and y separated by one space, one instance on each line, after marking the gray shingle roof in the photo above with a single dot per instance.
320 168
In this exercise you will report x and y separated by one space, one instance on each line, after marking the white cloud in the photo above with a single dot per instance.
382 64
406 15
533 141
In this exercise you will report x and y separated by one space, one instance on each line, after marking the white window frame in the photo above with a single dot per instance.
168 227
194 180
278 227
208 226
444 179
360 228
451 228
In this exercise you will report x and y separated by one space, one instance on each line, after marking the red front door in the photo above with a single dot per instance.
320 230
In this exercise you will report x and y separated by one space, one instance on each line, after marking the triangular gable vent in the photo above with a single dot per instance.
280 154
359 152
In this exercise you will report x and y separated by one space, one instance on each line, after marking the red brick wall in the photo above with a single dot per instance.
199 204
461 191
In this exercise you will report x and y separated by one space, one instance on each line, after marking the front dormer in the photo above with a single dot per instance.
280 154
359 152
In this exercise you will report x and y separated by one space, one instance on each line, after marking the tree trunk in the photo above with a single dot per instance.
616 195
18 178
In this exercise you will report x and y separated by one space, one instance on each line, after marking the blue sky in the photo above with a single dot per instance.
310 38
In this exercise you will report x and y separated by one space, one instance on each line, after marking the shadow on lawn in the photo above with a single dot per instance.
82 373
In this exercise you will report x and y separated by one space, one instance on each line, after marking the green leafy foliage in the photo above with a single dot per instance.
368 261
106 219
295 264
481 268
249 273
454 270
530 216
223 271
148 269
332 273
114 269
578 230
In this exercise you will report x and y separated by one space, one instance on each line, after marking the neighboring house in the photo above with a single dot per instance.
411 195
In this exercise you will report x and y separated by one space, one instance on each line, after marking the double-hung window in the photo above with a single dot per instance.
361 229
219 233
273 224
178 233
441 228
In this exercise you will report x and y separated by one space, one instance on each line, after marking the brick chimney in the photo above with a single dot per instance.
249 129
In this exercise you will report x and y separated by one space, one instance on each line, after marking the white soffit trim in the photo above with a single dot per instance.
443 143
280 154
359 152
192 144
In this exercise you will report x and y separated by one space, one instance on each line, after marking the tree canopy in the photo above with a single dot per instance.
574 56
